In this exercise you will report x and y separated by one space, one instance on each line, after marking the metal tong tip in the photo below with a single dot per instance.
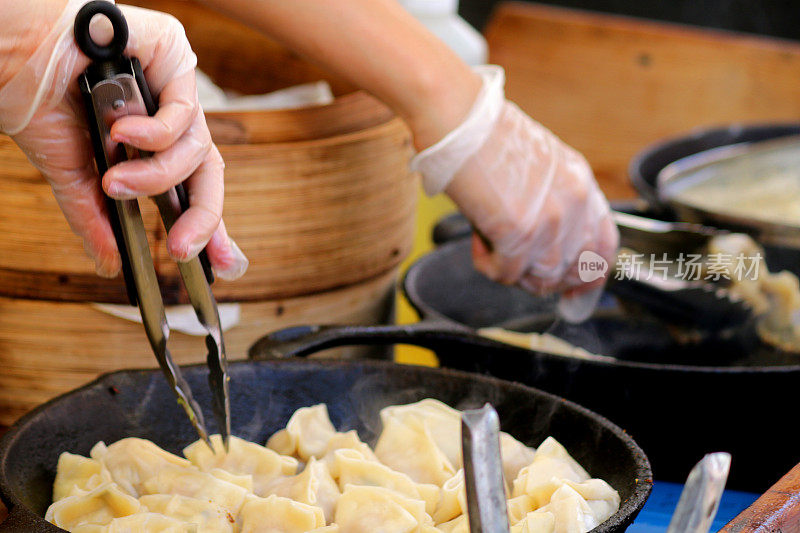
483 471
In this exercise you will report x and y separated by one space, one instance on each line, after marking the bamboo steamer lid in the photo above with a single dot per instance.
318 198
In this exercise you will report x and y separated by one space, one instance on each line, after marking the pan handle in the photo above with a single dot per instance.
301 341
456 226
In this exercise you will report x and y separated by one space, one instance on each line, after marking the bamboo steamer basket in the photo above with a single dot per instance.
49 348
320 199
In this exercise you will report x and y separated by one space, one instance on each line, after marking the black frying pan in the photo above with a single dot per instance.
263 397
679 401
646 165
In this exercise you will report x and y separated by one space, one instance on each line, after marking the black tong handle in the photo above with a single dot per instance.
97 53
109 61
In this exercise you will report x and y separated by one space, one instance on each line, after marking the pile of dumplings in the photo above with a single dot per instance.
311 478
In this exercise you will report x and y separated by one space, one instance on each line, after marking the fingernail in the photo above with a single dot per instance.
187 253
237 267
118 138
120 191
106 269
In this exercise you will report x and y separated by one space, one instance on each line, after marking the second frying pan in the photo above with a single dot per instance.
645 168
678 401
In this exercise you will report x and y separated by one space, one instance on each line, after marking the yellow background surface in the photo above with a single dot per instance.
429 212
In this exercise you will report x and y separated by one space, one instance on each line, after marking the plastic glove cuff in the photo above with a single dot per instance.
439 163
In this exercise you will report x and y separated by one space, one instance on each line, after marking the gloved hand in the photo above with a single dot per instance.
532 199
41 109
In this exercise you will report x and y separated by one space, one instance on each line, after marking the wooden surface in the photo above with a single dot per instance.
777 510
48 348
611 85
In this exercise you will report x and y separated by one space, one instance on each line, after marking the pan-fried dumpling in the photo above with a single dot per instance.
453 501
444 424
406 445
246 482
442 421
149 522
196 484
313 486
515 456
242 458
89 528
519 507
133 461
460 524
550 461
204 516
601 498
559 485
369 509
275 514
306 435
351 468
536 522
76 473
347 441
99 506
571 512
551 448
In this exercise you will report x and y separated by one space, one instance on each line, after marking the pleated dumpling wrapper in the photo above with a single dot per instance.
312 478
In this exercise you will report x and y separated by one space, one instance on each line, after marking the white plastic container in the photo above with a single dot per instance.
441 18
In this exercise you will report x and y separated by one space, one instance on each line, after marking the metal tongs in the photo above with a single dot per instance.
483 471
113 86
703 304
701 495
698 303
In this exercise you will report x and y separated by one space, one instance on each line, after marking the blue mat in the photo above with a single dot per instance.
656 514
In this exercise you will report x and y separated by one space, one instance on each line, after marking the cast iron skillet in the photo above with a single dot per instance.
264 394
679 401
646 165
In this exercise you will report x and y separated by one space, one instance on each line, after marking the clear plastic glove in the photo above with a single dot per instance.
533 200
41 109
